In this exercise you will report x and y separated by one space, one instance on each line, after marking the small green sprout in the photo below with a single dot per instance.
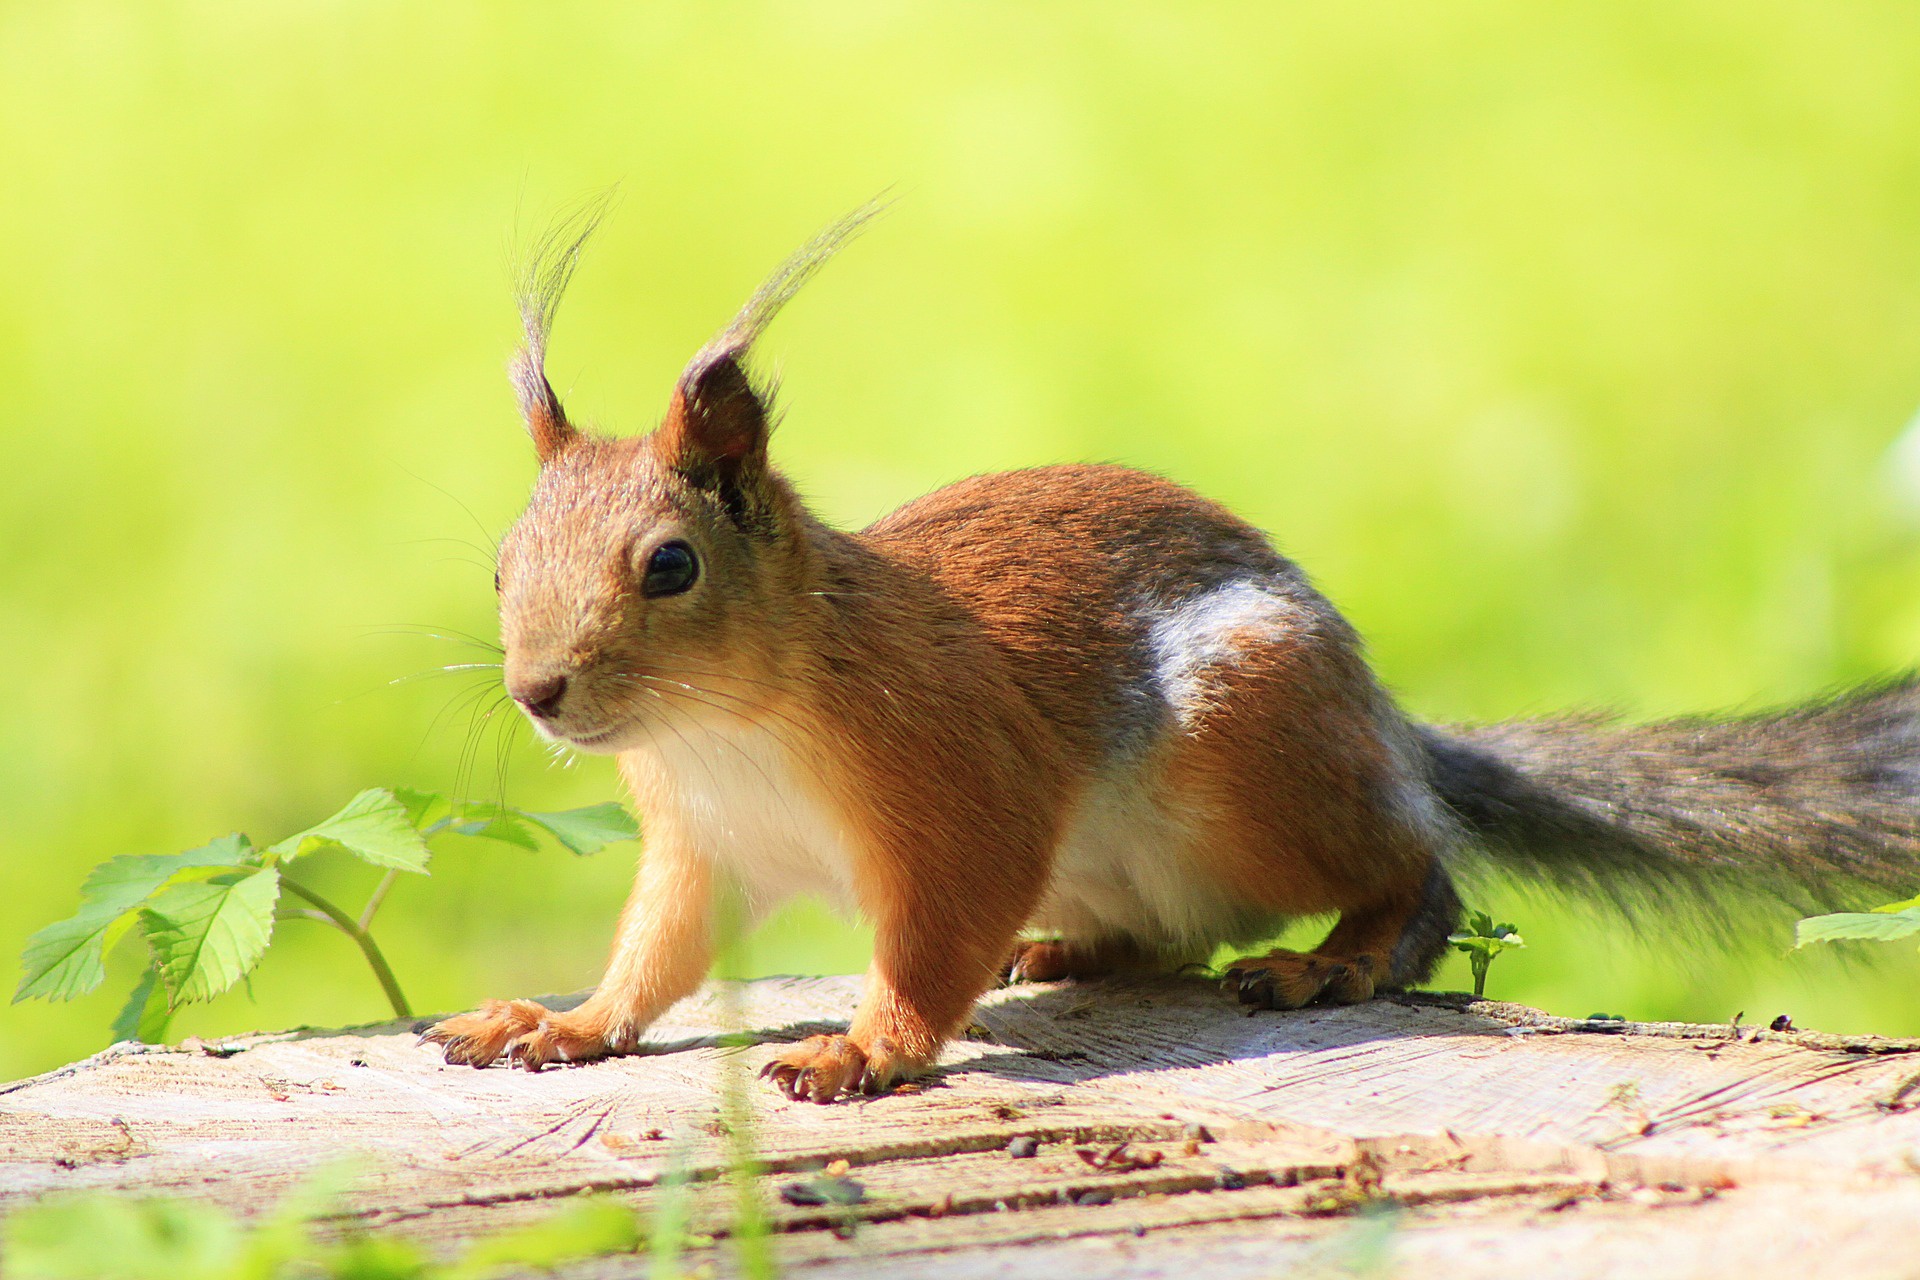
1482 940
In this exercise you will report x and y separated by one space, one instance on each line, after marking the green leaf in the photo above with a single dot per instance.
1910 904
145 1015
103 1236
1852 925
66 959
207 936
490 822
376 826
587 830
585 1229
126 881
421 806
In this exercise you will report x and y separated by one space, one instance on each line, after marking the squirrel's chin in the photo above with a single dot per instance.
606 742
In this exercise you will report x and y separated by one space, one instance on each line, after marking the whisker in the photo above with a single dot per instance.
503 755
453 635
740 700
676 656
795 752
470 746
453 669
742 752
712 778
489 553
463 700
447 494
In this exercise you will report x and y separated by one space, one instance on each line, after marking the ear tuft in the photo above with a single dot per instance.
543 279
717 418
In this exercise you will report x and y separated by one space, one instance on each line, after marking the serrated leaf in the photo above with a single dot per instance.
1857 926
589 829
501 825
67 958
144 1017
375 826
207 936
421 806
126 881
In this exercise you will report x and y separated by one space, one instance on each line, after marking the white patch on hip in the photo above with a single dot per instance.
1211 630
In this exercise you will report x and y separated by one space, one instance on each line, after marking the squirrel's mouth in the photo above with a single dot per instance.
592 740
609 739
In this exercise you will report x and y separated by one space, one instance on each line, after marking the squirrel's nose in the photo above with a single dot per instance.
541 696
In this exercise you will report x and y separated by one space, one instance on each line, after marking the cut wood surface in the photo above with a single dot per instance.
1262 1145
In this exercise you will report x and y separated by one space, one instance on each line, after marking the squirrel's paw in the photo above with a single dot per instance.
1037 962
525 1032
1293 979
822 1068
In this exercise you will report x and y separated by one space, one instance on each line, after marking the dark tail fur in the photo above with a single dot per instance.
1801 805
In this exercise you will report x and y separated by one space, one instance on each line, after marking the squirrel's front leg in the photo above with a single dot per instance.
661 953
938 945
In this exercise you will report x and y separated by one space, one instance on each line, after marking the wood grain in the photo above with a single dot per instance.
1258 1143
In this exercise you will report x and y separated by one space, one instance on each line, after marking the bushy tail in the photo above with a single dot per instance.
1809 805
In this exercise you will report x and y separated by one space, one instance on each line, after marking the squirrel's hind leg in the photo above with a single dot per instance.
1390 945
1056 959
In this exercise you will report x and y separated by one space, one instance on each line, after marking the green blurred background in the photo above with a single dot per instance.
1568 346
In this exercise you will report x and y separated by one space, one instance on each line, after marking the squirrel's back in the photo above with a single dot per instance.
1105 588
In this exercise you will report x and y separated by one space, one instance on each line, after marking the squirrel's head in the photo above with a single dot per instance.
649 576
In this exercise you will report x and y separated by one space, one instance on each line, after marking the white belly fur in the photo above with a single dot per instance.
1127 869
1128 866
746 801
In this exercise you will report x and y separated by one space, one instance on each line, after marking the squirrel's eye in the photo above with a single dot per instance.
671 569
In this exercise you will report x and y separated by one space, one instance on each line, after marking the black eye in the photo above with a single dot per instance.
671 569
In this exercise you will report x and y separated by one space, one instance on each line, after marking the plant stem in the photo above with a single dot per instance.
378 896
364 940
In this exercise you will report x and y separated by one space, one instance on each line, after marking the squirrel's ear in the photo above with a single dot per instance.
543 279
717 418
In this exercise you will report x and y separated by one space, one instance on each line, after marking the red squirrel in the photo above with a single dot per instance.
1050 723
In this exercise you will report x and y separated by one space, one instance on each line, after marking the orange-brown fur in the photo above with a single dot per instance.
951 679
1044 723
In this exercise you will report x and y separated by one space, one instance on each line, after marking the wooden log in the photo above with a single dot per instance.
1254 1144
